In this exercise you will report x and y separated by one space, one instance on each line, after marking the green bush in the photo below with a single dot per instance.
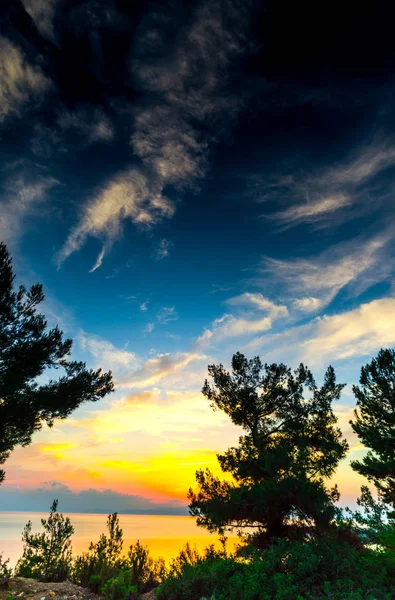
119 587
104 569
5 571
47 556
288 570
187 557
102 562
146 573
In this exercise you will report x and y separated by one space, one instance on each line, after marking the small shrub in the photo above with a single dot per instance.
146 573
94 583
119 587
47 556
187 556
102 562
5 571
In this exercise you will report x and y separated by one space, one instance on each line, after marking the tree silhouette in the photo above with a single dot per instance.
27 351
280 464
375 423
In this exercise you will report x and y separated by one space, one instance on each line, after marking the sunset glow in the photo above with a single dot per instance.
186 183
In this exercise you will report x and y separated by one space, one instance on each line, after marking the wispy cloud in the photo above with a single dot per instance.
129 195
167 314
370 161
99 260
183 86
320 278
163 249
313 211
218 288
108 356
358 332
22 193
83 126
328 193
46 140
229 326
258 301
144 305
308 304
42 12
20 82
248 322
91 122
149 327
131 370
159 367
164 316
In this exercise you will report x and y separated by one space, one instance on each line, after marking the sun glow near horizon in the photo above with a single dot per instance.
106 453
186 187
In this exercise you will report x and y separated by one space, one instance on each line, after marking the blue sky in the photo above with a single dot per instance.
188 181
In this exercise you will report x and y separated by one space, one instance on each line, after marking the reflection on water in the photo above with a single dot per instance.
164 535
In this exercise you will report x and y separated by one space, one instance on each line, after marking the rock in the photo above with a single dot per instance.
20 595
42 598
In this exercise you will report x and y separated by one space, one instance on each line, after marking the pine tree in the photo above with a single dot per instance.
29 350
375 423
291 445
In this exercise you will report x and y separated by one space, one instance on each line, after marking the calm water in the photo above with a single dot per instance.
163 535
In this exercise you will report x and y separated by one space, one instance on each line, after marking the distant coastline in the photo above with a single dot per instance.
86 501
185 513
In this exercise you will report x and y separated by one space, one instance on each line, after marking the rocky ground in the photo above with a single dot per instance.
20 588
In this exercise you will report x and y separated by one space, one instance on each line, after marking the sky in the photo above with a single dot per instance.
188 180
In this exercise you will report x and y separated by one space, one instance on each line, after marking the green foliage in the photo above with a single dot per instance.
187 557
27 350
103 561
119 587
103 569
304 547
290 446
47 555
145 572
373 522
308 570
375 423
5 571
387 542
374 530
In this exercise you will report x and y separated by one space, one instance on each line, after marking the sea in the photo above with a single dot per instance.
164 535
